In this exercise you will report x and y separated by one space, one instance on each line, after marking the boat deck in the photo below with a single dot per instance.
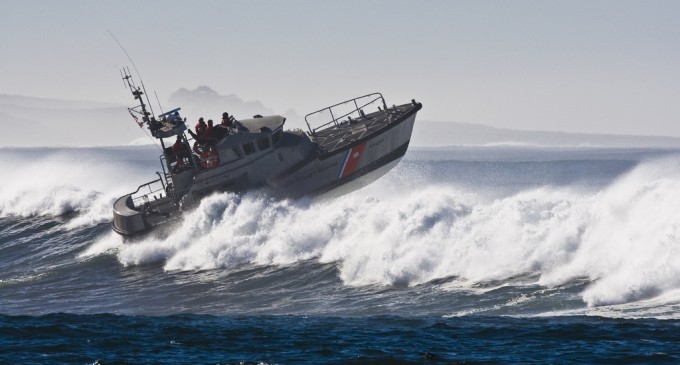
161 211
347 132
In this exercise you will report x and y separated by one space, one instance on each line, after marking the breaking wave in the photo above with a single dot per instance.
55 182
624 239
409 228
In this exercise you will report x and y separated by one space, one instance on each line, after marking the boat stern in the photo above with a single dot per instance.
127 220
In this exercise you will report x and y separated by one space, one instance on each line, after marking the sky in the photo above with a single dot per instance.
572 66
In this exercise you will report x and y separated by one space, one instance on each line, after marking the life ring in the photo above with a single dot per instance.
209 159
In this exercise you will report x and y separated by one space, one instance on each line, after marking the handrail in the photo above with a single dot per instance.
164 161
146 195
335 120
168 113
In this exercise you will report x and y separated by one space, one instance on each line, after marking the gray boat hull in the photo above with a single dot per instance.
330 172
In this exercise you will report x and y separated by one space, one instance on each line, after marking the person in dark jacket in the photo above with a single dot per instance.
181 152
200 129
226 120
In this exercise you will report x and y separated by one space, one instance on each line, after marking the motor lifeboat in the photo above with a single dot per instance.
348 145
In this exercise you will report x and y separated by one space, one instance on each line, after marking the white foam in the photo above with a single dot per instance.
53 182
111 242
624 239
631 240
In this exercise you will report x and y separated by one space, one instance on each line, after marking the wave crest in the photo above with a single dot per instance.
624 239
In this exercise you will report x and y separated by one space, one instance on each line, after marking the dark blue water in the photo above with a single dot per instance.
202 339
459 255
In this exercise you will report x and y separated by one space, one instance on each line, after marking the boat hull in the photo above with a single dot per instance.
360 158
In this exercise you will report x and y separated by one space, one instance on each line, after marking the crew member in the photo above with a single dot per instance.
226 120
197 139
200 128
181 151
210 131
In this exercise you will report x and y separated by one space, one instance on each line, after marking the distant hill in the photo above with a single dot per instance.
209 104
34 102
431 134
31 122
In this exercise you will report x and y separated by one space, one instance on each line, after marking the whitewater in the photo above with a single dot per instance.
451 232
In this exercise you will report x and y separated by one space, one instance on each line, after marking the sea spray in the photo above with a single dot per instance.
623 239
54 182
432 225
466 231
631 247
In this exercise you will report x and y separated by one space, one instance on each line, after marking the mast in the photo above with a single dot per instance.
137 93
166 125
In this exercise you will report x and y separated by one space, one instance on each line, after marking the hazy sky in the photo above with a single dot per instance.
575 66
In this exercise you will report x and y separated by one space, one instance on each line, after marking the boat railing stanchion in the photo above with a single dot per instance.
333 118
308 126
160 179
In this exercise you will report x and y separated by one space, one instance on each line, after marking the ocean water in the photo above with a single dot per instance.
458 255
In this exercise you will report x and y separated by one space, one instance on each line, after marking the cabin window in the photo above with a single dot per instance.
263 144
249 148
276 137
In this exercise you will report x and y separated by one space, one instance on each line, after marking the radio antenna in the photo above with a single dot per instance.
123 78
136 70
159 102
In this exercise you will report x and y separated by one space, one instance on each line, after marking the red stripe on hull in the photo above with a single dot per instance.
353 159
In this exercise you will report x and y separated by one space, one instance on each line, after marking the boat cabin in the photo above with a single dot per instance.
250 137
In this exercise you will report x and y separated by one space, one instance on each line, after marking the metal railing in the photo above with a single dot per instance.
166 173
336 120
141 197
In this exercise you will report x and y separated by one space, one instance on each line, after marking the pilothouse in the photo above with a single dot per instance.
354 143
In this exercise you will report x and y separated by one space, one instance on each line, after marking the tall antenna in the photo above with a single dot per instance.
136 70
159 102
123 78
128 81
